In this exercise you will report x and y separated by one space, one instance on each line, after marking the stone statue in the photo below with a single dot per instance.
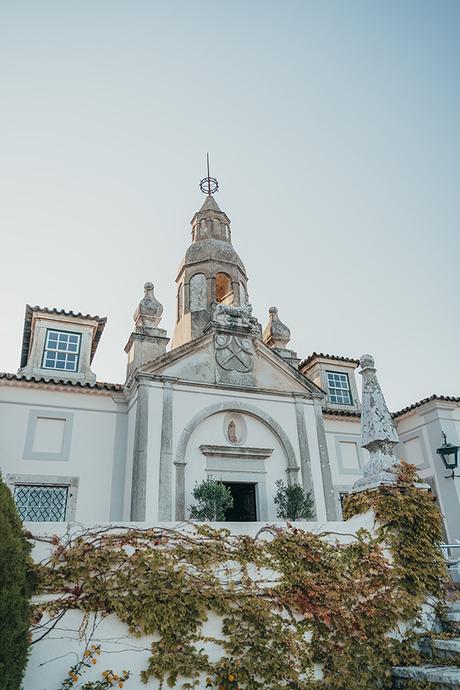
227 314
232 437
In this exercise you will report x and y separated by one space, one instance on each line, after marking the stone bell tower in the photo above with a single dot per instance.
211 272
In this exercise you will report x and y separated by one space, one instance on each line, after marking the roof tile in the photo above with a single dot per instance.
338 358
99 385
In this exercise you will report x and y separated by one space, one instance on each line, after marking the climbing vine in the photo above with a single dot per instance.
288 600
410 523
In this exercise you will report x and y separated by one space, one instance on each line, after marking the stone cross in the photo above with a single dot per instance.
378 433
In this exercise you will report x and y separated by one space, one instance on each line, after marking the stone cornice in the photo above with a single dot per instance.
243 452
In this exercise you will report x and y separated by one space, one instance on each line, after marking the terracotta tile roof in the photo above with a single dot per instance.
409 408
101 321
342 413
99 385
337 358
448 398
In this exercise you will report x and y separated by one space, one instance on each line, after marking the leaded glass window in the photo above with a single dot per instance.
41 503
339 388
61 350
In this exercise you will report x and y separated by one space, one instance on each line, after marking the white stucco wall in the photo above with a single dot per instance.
420 434
52 657
189 401
91 423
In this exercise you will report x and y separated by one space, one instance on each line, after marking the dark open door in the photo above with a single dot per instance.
244 502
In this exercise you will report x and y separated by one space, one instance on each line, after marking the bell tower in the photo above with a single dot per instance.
211 272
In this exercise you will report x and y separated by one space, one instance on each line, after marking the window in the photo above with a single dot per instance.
339 388
41 503
61 350
224 292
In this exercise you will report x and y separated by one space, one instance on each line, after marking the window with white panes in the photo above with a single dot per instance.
61 350
339 388
41 503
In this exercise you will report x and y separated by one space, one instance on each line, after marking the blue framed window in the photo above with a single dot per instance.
339 388
62 350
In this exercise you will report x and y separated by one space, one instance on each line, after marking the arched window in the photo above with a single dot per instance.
180 301
198 292
243 294
224 292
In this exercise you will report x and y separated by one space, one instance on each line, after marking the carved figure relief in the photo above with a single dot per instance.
231 432
235 429
227 314
233 353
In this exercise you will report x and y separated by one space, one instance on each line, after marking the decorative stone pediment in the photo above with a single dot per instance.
232 357
242 452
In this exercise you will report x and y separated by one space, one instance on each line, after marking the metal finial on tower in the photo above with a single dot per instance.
209 185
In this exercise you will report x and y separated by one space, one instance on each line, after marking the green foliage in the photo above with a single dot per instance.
293 502
213 499
287 599
16 586
411 524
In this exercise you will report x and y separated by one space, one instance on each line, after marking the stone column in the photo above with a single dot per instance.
180 490
166 462
119 462
305 460
326 475
139 477
186 308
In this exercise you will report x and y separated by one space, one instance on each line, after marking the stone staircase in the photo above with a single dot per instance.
436 675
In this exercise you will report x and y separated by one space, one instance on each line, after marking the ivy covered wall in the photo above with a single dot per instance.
280 608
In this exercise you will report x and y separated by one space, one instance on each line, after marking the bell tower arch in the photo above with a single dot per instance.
211 272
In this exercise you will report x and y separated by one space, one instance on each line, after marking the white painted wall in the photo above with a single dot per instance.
102 443
91 451
420 433
52 657
189 400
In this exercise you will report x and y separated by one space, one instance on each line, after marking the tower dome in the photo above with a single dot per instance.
211 272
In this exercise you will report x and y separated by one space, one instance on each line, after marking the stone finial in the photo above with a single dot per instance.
276 334
148 314
378 433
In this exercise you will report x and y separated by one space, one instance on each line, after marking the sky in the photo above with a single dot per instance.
333 129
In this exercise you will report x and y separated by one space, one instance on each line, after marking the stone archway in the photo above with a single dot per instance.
233 406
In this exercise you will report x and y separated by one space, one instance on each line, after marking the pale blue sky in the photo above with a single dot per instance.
334 130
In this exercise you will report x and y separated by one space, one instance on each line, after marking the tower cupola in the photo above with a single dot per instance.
211 273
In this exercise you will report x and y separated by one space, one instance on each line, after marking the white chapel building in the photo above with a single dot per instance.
222 396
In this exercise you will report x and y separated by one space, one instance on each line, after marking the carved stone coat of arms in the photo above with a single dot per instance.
234 353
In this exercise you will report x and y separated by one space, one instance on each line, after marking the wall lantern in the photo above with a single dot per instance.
449 455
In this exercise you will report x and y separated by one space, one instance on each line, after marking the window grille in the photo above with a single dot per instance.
41 503
339 388
61 350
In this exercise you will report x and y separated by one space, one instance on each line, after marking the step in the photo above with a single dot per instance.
439 677
451 620
439 648
446 648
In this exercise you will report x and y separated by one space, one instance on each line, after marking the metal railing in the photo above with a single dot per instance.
453 560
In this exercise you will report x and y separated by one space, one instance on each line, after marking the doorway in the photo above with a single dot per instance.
244 502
